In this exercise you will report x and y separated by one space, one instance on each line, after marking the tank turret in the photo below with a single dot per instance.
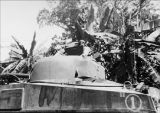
66 69
72 84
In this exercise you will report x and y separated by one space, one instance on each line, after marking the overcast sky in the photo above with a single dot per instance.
18 18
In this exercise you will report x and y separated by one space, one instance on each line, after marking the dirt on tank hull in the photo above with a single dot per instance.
56 86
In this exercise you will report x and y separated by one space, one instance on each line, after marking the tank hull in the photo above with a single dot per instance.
47 98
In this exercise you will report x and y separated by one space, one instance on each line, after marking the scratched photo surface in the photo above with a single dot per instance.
80 56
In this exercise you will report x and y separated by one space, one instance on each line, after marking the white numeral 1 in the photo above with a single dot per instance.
132 103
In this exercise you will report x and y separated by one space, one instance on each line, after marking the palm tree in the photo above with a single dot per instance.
22 60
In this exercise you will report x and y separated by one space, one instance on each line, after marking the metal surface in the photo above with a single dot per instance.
43 98
66 68
11 99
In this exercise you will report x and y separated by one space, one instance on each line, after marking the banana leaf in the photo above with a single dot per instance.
153 73
10 67
23 63
33 44
152 37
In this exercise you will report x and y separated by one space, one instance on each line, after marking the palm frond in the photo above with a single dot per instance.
15 58
14 54
24 51
14 46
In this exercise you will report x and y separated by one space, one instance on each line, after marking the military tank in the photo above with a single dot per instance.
71 84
